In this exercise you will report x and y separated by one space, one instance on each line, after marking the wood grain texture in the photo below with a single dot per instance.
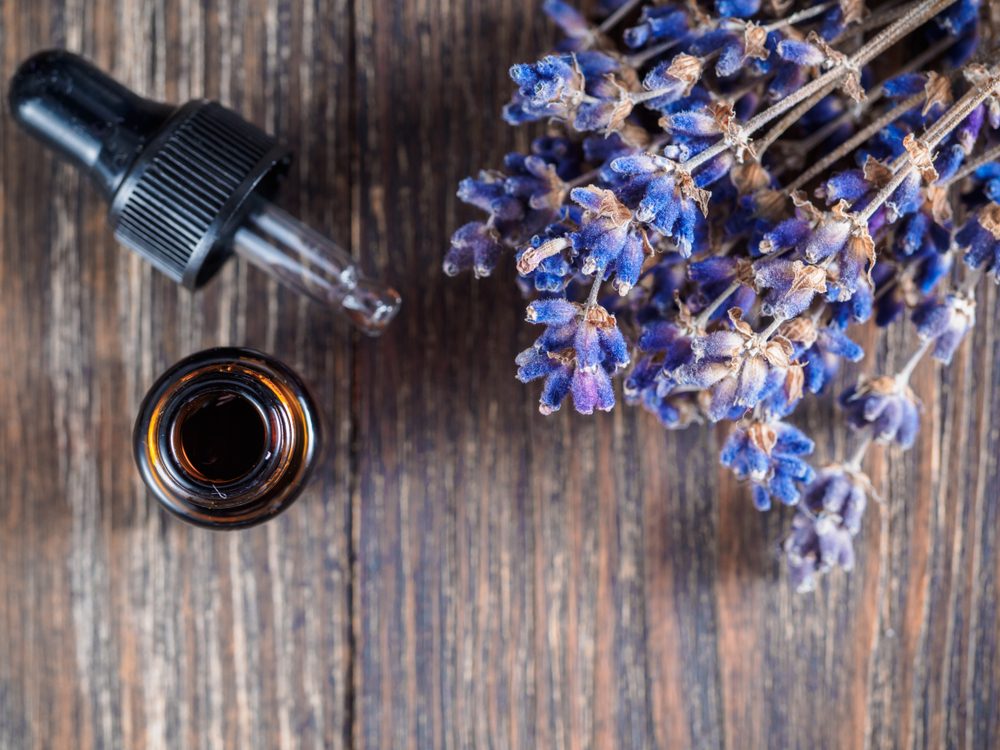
465 573
121 628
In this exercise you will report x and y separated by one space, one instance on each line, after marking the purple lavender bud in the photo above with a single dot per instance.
638 164
959 17
606 230
518 111
474 247
945 322
787 79
849 185
587 346
913 233
891 137
714 170
664 205
823 529
731 60
628 265
858 309
890 306
592 390
828 238
686 230
833 23
717 271
905 199
568 18
487 193
614 346
658 335
590 198
534 363
800 53
822 359
670 88
751 382
594 116
657 23
932 265
787 234
989 175
661 206
748 452
981 239
552 86
737 366
595 65
737 8
556 339
669 339
538 183
886 406
968 130
545 81
552 312
718 345
710 41
904 85
697 124
791 285
556 388
641 378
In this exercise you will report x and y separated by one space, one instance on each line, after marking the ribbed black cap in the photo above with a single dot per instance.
178 179
185 195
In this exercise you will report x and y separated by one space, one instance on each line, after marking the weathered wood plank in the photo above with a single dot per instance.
466 573
573 582
122 628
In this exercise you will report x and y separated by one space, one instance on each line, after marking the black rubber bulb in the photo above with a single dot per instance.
85 115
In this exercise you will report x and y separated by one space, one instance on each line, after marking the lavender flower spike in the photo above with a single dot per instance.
769 455
824 528
945 323
887 406
663 228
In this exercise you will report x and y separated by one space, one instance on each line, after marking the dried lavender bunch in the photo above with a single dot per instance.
722 194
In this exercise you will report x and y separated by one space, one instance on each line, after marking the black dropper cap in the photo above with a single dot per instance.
187 185
176 178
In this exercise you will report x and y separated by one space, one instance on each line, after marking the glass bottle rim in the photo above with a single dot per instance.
277 476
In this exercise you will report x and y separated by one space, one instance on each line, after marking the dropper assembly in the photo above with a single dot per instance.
188 186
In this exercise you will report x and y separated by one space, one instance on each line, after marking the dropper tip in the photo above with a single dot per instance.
371 306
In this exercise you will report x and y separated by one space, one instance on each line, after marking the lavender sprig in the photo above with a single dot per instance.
662 240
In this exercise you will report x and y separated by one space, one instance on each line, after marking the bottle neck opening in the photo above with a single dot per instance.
226 438
220 436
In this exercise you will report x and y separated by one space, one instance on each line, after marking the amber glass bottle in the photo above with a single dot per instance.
227 438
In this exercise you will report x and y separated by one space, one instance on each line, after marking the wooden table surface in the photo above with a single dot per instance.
465 573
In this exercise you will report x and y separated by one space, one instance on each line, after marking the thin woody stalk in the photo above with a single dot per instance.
905 164
715 304
886 38
848 146
853 463
640 58
873 97
611 21
992 154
